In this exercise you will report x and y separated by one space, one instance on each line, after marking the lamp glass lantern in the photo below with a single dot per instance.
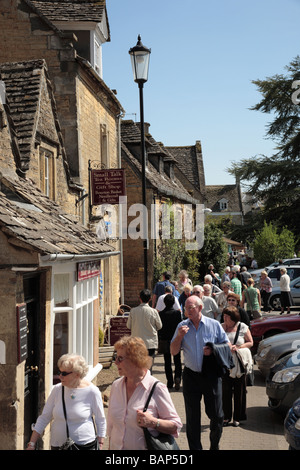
140 57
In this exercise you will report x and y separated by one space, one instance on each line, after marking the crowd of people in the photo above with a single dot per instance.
205 325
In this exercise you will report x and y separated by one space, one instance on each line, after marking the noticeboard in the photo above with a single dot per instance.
107 186
22 332
117 329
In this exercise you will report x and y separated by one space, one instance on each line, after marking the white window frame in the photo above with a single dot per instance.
82 295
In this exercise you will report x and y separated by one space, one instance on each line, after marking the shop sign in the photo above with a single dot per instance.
88 269
107 186
118 329
22 332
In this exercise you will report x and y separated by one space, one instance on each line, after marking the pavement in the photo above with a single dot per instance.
263 429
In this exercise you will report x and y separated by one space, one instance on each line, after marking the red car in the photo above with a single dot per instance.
264 327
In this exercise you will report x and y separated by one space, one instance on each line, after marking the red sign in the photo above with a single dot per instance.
107 186
88 269
117 329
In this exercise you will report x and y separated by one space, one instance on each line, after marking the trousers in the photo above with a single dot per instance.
168 368
196 385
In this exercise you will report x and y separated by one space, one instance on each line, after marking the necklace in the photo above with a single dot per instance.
73 394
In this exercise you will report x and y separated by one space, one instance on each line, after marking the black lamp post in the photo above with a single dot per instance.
140 56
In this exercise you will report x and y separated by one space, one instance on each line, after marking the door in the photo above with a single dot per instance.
31 285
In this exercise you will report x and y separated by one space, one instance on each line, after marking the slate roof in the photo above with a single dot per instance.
30 217
71 10
23 89
189 161
22 83
130 133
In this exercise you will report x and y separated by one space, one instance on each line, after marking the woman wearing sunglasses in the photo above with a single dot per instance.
129 393
83 405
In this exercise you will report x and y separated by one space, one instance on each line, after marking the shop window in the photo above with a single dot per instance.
74 317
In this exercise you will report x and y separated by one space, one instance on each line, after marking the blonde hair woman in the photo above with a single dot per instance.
83 402
129 393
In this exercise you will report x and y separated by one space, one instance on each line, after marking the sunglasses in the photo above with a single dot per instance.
64 374
119 358
196 292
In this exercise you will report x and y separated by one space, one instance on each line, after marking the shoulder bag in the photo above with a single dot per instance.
70 444
162 441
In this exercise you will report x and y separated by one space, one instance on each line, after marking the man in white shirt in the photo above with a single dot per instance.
160 302
144 322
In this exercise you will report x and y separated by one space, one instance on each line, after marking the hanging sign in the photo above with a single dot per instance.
107 186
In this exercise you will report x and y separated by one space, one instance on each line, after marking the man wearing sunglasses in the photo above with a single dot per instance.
192 336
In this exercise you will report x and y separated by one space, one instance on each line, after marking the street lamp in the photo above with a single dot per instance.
140 56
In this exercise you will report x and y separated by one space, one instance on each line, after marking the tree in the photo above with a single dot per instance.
275 180
214 250
269 245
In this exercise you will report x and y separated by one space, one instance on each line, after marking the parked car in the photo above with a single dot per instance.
283 382
274 348
265 327
274 274
293 270
295 293
292 426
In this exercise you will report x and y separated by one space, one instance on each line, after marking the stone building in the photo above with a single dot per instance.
69 37
226 200
58 280
166 184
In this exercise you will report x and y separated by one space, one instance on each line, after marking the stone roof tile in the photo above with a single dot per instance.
30 217
71 10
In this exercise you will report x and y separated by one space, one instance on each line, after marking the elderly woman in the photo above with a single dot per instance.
265 290
285 291
83 402
235 387
125 418
183 281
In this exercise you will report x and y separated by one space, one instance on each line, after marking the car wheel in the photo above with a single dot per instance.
275 302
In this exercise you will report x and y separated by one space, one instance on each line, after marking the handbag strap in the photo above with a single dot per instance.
64 407
149 397
237 333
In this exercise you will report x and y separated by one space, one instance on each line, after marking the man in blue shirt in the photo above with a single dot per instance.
191 336
159 288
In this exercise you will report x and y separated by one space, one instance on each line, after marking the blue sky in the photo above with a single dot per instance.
204 55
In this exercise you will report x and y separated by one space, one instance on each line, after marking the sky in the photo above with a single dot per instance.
204 56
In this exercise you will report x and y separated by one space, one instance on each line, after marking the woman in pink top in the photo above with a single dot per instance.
126 419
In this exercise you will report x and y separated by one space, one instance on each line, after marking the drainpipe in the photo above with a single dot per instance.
120 116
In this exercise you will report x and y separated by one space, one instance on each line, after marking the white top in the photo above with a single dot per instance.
144 322
285 283
210 308
161 304
87 402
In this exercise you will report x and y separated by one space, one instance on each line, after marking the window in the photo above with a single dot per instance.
223 203
73 317
47 172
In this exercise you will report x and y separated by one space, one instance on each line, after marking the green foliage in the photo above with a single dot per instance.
269 245
101 337
214 250
275 180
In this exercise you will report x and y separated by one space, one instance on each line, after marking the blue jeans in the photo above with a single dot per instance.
196 384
